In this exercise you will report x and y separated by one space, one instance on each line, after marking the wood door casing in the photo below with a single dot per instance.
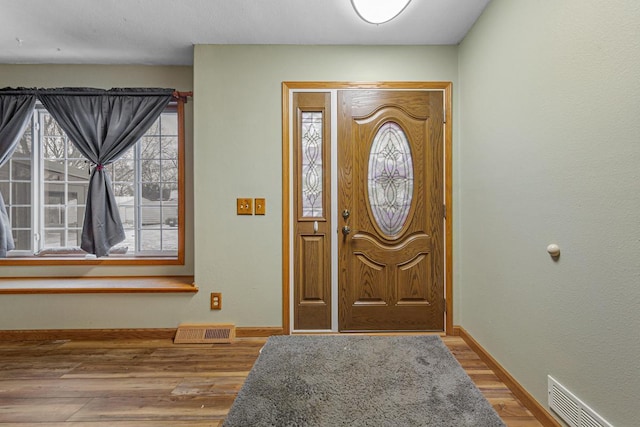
391 282
312 246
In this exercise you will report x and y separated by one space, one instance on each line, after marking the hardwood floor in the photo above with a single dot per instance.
146 383
510 409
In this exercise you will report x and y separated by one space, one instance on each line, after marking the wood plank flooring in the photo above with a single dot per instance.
145 383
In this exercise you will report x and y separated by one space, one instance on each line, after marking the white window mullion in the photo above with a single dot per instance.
65 198
161 197
137 166
160 183
37 191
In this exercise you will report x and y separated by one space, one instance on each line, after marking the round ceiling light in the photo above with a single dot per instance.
379 11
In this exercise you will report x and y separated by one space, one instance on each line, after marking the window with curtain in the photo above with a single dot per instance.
45 184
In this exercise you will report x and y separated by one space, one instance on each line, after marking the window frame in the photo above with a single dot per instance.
138 260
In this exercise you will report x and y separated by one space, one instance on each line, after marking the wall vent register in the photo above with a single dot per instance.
571 409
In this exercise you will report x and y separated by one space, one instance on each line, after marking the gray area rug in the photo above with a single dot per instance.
356 380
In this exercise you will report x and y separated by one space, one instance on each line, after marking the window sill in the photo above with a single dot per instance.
88 285
111 261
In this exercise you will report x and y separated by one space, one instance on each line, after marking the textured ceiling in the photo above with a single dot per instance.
164 31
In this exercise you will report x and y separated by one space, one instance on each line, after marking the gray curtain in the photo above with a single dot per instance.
16 108
103 124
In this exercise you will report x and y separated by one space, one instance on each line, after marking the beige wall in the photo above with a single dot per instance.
237 147
550 153
238 154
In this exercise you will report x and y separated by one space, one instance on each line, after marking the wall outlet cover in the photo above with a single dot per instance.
216 301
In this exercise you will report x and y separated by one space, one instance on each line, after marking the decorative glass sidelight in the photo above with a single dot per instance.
312 164
390 178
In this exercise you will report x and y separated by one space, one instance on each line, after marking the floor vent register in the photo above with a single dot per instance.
205 334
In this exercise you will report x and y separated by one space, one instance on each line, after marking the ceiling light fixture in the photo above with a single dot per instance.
379 11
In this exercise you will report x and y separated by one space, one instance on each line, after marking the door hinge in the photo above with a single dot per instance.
444 302
444 211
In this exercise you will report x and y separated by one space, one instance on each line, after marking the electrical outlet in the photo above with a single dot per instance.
261 206
216 301
245 206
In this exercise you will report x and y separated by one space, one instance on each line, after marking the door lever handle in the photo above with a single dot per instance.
346 230
315 227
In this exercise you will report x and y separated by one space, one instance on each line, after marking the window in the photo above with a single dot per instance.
46 180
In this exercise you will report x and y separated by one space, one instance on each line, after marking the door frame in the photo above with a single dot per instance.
288 169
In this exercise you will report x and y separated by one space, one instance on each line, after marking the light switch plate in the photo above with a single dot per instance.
245 206
261 206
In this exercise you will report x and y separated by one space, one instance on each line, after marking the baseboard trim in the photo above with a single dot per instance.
256 332
86 334
538 411
118 334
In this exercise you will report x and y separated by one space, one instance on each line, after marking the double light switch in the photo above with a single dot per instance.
245 206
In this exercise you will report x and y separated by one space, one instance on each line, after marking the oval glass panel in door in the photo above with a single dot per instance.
390 178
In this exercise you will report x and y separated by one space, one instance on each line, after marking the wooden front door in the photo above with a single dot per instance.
390 210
